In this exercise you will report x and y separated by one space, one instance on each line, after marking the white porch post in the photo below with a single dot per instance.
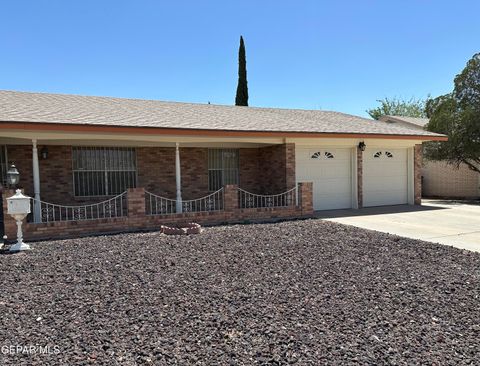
36 182
178 178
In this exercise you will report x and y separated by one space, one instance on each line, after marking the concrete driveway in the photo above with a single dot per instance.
455 223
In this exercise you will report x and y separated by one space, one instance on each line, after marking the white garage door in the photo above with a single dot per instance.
385 177
330 172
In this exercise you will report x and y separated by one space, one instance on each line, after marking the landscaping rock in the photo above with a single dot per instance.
302 292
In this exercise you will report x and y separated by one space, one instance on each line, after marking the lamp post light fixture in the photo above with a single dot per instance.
13 176
362 146
18 206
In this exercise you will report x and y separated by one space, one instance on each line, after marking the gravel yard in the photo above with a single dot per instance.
306 292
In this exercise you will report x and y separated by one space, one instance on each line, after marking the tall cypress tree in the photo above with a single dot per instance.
242 88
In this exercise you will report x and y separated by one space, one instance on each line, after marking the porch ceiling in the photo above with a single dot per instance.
19 137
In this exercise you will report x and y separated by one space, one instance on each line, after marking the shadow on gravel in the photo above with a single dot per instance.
381 210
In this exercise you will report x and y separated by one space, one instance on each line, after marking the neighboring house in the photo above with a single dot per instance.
439 178
134 164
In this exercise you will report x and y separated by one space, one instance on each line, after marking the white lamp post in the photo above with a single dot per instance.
19 207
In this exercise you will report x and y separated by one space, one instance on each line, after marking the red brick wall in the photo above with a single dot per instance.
276 168
305 196
156 171
194 163
290 165
360 177
21 156
138 220
272 169
249 169
266 170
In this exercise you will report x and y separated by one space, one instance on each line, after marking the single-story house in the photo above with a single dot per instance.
96 164
439 178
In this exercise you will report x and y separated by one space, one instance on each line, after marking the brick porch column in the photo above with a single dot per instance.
230 197
136 202
305 197
8 222
360 177
290 165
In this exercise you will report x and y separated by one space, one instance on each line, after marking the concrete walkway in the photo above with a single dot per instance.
455 223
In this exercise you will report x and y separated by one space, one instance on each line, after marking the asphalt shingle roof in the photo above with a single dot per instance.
419 122
106 111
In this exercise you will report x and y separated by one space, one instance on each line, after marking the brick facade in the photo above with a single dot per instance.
138 220
156 171
262 170
360 177
265 170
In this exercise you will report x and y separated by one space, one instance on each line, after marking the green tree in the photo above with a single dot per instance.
398 107
242 88
457 115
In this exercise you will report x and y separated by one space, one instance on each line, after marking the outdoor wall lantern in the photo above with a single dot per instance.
362 146
44 153
13 176
18 206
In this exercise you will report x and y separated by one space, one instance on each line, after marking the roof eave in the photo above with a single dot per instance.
45 126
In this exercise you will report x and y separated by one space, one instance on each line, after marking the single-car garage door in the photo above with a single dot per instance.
330 172
385 177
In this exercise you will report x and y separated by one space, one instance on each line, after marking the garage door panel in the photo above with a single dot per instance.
330 202
385 184
330 172
387 198
332 186
385 177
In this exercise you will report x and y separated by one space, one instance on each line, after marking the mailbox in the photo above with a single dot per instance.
18 207
18 204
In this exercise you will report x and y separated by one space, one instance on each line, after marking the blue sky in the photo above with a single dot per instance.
331 55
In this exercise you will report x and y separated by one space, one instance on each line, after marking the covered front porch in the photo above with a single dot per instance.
130 182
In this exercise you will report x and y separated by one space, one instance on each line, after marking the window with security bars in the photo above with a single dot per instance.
222 168
103 171
3 164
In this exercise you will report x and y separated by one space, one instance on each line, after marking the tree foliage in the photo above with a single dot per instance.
398 107
242 87
457 115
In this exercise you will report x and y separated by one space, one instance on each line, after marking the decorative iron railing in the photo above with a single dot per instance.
251 200
158 205
51 212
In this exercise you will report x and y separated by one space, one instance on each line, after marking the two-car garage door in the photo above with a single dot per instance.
385 176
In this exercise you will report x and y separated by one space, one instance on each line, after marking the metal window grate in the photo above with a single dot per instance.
222 168
103 171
